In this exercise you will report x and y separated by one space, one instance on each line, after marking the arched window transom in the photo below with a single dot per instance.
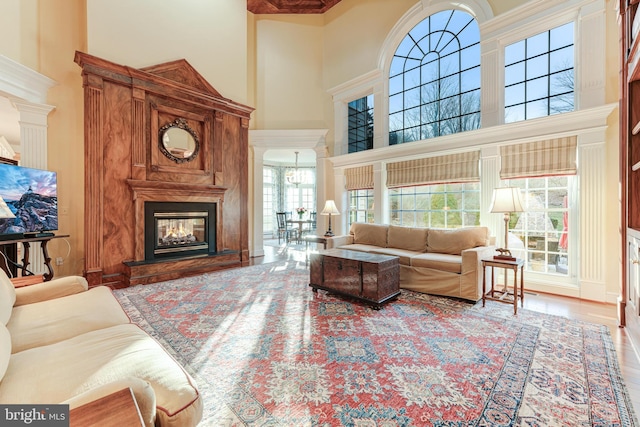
434 79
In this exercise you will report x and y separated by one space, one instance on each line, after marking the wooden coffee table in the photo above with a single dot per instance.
367 277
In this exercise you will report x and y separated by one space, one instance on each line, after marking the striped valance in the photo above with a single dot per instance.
360 178
462 167
540 158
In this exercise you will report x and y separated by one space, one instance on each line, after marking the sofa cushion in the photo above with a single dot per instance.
436 261
57 372
7 297
403 254
359 248
369 234
5 349
454 241
409 238
50 321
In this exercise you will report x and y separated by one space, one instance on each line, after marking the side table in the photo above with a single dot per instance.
312 238
117 409
503 296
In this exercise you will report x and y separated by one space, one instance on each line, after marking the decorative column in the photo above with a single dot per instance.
490 179
33 154
257 243
322 166
592 255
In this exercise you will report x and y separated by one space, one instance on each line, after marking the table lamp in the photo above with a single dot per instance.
506 200
329 209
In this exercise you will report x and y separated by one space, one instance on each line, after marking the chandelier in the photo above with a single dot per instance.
295 177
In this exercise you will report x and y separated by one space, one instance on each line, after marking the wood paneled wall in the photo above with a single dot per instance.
124 109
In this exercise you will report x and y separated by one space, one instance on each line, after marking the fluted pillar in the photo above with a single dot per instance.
33 154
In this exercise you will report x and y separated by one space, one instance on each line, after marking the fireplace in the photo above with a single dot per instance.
179 229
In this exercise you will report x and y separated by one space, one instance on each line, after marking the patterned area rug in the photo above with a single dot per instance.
267 351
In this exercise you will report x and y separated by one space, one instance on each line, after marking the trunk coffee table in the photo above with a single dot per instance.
367 277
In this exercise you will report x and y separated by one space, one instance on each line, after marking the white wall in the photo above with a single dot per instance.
289 70
210 35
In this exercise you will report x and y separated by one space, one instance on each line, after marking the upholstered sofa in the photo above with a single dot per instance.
62 343
434 261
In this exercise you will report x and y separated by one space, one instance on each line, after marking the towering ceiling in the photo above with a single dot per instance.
290 6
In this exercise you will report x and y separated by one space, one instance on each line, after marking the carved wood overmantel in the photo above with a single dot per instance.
125 110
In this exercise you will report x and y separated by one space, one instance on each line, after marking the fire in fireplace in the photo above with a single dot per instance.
175 229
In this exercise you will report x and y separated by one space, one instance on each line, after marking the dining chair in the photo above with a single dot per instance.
311 226
284 229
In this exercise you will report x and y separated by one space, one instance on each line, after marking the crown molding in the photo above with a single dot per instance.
18 81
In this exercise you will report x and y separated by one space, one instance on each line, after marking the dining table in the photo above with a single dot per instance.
300 223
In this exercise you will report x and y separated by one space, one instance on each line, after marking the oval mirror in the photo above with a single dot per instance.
178 141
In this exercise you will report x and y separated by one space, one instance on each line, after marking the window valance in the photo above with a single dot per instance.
461 167
360 178
540 158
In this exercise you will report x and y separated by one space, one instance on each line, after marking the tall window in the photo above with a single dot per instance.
539 75
361 124
434 80
268 199
439 205
540 234
302 195
360 206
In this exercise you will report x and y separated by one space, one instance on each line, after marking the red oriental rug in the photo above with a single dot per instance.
267 351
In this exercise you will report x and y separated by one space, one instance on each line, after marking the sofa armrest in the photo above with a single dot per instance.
472 258
471 274
336 241
52 289
142 391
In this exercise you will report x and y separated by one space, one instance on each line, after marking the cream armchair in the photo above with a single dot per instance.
61 342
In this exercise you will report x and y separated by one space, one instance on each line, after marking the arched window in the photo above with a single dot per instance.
434 79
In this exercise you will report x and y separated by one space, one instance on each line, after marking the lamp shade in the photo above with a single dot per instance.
330 208
506 199
5 212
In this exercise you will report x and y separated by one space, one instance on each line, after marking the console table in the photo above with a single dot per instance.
26 244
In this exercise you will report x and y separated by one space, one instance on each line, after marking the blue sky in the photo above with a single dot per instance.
15 181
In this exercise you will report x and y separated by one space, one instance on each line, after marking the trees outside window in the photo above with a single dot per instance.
438 205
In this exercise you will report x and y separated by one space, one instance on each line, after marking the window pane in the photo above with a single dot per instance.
470 79
514 73
514 114
562 59
540 234
395 85
360 120
536 109
537 44
514 53
412 98
514 94
537 88
562 36
546 68
412 78
538 66
441 205
468 57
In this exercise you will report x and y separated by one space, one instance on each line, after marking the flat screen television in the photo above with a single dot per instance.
29 197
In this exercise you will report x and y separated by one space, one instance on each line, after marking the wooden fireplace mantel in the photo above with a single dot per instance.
153 191
125 166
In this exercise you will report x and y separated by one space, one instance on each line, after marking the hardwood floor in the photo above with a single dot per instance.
606 314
